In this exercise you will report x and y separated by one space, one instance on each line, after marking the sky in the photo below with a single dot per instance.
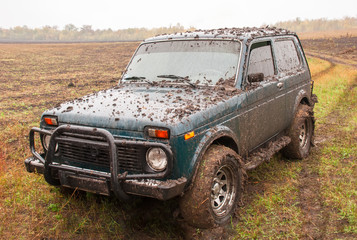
204 14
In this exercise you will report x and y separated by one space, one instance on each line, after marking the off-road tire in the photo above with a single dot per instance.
218 185
301 133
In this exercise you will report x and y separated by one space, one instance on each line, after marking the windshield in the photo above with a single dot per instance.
193 62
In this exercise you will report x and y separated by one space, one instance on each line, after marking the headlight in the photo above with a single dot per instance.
46 142
156 159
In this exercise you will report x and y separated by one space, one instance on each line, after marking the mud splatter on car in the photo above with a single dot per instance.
192 112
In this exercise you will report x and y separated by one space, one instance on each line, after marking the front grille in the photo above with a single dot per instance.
129 157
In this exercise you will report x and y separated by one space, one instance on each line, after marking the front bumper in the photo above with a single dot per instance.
97 181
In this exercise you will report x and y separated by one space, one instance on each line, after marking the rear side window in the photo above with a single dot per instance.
287 58
261 59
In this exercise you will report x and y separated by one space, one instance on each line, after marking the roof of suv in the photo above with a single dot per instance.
223 33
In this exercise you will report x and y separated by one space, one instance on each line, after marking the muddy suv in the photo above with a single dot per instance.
192 113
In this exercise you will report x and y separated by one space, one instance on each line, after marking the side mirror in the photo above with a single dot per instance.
255 77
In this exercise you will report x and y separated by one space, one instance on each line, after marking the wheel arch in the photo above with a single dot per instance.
305 101
219 135
302 98
227 141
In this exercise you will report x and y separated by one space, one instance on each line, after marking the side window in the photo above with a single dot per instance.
287 58
261 59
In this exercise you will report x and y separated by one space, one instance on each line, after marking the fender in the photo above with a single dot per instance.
302 94
210 136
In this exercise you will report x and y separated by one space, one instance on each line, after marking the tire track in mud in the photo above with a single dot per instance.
326 71
316 214
311 202
331 60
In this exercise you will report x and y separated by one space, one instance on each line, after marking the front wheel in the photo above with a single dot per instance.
301 133
213 196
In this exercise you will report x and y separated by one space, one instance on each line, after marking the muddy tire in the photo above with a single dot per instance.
213 196
301 134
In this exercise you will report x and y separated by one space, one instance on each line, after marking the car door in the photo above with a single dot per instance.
264 96
292 71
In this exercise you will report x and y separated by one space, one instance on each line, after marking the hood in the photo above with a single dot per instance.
133 107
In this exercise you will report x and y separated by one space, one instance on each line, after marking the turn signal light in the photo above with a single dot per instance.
189 135
158 133
51 121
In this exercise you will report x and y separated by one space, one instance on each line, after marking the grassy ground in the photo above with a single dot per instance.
311 199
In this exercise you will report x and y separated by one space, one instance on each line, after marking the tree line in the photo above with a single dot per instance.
72 33
318 25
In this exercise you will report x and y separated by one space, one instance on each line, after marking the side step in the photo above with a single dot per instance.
265 153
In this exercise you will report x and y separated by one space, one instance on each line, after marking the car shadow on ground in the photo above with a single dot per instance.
144 218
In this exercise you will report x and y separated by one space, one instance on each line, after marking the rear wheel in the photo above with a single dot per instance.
213 196
300 132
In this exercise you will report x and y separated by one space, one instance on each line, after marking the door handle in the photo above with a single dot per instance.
279 85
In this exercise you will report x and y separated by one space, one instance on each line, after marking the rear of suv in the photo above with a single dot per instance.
191 115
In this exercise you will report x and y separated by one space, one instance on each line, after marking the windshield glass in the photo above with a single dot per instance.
193 62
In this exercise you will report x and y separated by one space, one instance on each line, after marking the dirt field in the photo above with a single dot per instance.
311 199
338 49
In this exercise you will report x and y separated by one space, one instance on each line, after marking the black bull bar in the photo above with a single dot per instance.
120 183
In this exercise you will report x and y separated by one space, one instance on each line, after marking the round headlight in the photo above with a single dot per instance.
46 142
156 159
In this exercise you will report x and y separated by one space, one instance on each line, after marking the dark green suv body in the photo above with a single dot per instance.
192 112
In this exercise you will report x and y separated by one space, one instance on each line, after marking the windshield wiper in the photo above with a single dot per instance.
136 79
184 79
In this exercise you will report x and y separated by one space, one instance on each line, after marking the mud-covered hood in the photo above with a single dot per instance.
131 108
